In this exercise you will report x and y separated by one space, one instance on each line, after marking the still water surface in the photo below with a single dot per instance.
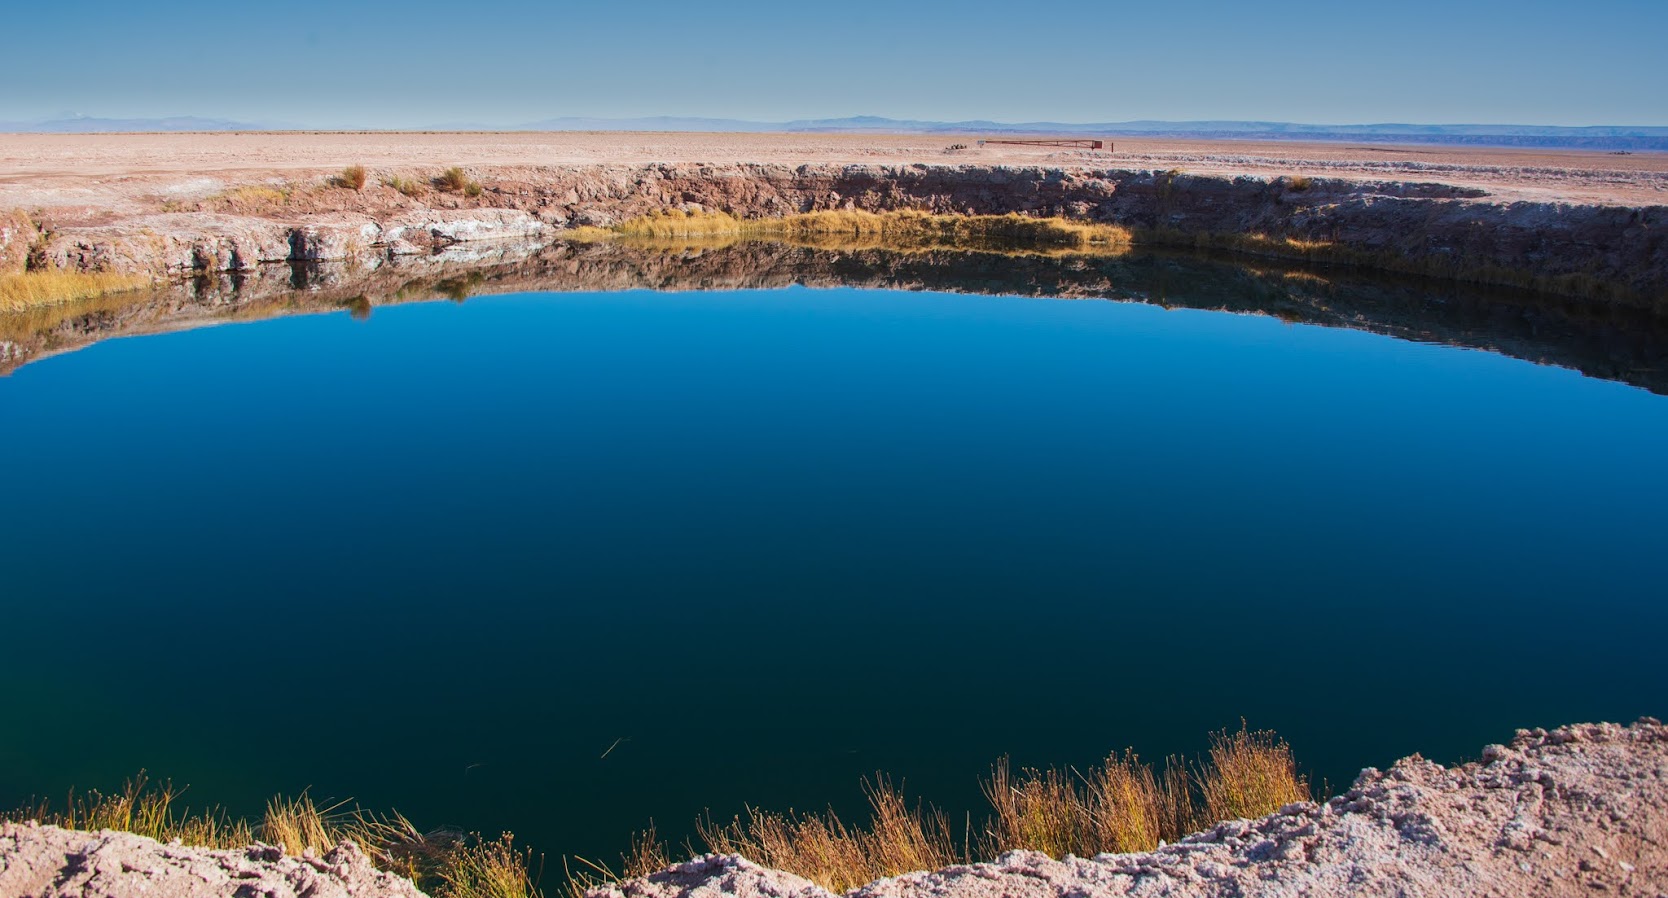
763 543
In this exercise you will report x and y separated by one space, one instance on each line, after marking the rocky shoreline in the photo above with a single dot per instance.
1610 254
1577 810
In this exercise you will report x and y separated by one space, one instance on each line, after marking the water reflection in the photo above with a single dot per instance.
1614 344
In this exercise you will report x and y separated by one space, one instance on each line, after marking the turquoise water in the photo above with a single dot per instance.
764 543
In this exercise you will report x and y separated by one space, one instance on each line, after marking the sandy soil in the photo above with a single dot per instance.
127 173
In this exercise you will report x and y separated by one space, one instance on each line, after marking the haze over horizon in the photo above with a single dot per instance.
507 62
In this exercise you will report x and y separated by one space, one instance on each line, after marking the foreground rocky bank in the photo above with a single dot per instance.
48 862
1614 254
1582 809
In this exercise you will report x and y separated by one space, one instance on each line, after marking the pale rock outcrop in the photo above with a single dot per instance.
17 234
48 862
198 242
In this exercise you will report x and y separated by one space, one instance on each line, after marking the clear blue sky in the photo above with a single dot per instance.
354 63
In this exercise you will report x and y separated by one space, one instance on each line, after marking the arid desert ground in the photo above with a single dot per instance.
88 178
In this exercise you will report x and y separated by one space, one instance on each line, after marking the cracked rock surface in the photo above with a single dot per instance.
48 862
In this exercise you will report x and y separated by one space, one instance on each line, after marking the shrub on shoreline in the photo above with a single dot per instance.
406 186
22 290
901 228
352 177
453 180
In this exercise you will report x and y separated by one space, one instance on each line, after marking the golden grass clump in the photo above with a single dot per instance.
645 854
822 848
1249 774
411 187
352 177
297 826
453 180
1178 813
903 229
1039 810
147 809
252 196
21 290
1121 806
445 864
495 869
1124 805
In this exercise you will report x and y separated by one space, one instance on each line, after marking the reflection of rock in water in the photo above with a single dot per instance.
1609 343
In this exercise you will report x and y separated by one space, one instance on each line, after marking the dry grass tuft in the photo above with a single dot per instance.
820 847
646 854
901 837
22 290
297 825
1250 773
148 809
407 186
250 197
352 177
495 869
1041 810
1178 813
445 864
1120 806
1124 805
453 180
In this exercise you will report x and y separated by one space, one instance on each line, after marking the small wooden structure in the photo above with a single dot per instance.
1084 144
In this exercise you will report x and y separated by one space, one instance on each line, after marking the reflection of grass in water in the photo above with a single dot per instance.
852 229
21 290
1453 267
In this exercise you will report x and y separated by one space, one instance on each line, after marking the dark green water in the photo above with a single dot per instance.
764 543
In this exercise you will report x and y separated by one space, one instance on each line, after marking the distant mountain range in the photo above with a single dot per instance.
87 125
1608 137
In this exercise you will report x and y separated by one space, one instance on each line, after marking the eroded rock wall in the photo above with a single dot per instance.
1619 254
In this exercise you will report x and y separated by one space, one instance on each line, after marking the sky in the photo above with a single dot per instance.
352 63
